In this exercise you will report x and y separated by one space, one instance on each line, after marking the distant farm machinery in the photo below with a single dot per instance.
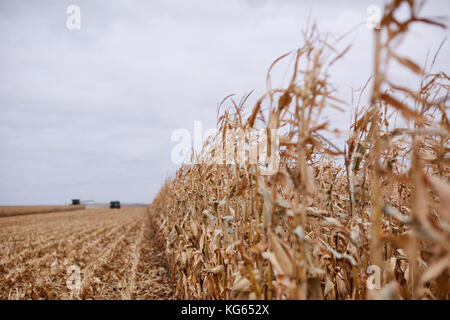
77 202
114 204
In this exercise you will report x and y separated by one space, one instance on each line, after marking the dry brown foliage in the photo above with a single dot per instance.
319 227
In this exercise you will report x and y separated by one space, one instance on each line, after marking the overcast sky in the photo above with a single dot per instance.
88 113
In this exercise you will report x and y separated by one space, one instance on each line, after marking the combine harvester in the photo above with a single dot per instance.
114 204
84 203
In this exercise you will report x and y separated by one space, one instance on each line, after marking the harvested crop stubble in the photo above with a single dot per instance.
317 229
106 245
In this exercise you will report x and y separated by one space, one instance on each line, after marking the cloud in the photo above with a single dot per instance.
88 113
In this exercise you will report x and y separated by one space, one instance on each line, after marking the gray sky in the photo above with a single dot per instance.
88 113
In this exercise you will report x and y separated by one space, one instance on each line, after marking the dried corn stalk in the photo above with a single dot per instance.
317 229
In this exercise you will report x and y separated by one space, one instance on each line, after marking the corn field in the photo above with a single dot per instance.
369 220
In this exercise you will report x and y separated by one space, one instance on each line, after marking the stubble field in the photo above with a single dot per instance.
82 254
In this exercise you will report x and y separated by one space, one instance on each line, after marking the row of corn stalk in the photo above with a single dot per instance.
375 225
